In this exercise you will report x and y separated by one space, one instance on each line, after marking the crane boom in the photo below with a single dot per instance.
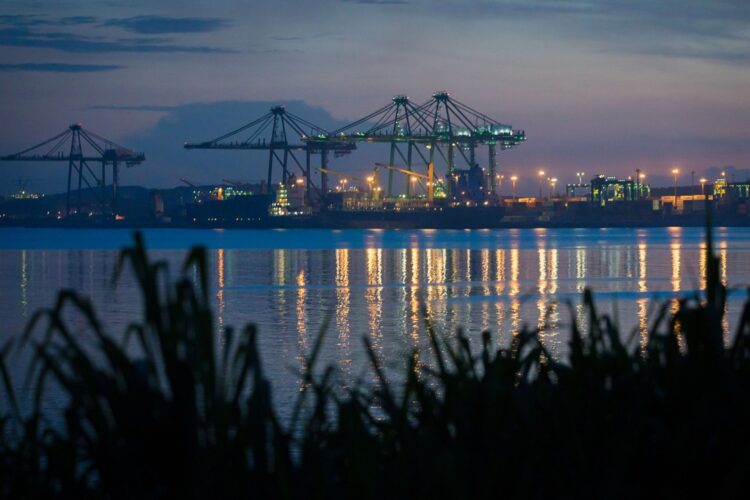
371 181
343 175
430 177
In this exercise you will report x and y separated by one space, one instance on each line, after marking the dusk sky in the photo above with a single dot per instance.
600 86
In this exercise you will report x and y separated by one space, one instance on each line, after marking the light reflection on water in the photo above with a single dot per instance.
373 285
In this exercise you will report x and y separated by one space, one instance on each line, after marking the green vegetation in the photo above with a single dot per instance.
170 412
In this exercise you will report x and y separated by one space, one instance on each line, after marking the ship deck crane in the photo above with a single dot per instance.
235 183
429 177
372 181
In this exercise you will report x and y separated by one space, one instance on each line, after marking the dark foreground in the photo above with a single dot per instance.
175 414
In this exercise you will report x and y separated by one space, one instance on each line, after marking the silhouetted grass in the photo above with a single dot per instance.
168 412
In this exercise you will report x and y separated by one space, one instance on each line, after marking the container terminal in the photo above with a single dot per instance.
441 171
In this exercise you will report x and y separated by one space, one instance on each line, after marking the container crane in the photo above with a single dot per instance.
83 150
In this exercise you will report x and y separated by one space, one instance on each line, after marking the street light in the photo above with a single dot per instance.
553 183
513 180
703 181
580 177
541 182
676 173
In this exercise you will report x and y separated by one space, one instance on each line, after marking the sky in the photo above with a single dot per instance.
602 86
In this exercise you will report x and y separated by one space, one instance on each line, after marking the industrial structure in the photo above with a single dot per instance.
284 135
446 151
435 132
84 151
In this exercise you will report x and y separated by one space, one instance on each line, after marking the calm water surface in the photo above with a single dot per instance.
371 283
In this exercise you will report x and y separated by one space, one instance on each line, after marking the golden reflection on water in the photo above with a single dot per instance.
553 269
547 306
279 261
643 322
723 261
515 289
723 266
642 267
343 304
404 292
580 286
542 281
301 293
24 284
374 294
414 298
465 313
280 281
436 272
493 281
220 291
580 264
485 305
554 306
675 253
642 303
437 291
499 289
702 269
674 309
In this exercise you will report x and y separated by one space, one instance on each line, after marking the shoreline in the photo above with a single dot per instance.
380 225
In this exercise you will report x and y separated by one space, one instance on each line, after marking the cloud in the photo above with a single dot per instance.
300 38
22 36
141 107
696 29
28 20
160 24
378 2
710 52
59 67
20 20
76 20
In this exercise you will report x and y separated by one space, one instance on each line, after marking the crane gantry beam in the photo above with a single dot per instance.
85 147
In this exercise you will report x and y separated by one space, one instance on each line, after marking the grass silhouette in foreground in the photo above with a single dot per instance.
167 412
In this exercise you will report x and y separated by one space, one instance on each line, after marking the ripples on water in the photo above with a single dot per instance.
371 283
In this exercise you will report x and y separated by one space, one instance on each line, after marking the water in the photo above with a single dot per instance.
371 283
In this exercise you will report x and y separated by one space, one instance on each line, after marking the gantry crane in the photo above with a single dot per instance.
271 132
85 147
442 126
